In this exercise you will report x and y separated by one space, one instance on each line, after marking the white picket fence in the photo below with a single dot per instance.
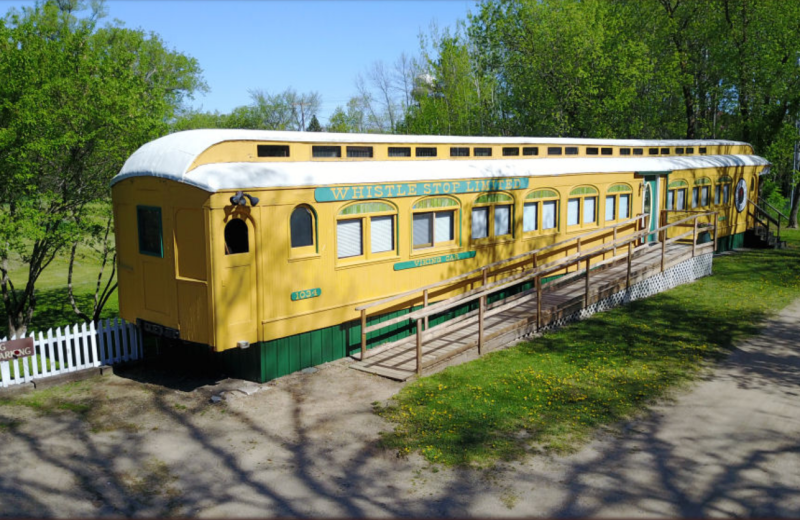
74 348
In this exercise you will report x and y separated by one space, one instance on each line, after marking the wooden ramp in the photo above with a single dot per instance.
512 318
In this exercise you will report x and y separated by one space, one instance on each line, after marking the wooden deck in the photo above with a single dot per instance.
516 316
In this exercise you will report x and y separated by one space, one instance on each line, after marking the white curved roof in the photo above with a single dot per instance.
171 156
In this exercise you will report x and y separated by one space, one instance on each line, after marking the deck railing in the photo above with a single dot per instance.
762 216
633 243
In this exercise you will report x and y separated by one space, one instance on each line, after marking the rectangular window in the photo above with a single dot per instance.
726 192
589 209
624 206
665 151
592 150
510 152
678 150
610 207
433 228
554 150
423 237
150 233
424 151
459 151
695 197
638 151
549 212
690 150
717 194
624 151
444 229
573 212
670 199
480 222
703 149
530 150
349 241
399 151
359 151
607 151
273 150
571 150
530 216
502 220
704 196
483 152
382 234
681 199
652 151
326 151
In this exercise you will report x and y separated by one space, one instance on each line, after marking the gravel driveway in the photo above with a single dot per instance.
143 444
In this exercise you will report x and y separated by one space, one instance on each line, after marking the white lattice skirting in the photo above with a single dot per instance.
679 274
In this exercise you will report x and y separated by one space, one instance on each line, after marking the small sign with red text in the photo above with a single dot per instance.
16 348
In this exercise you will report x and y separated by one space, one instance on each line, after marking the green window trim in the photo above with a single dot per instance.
436 203
367 207
583 190
620 188
541 194
678 184
494 198
147 244
724 180
702 181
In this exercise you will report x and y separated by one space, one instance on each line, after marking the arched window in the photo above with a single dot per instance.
540 211
434 222
301 225
676 194
700 192
491 215
367 230
722 190
582 206
618 202
236 237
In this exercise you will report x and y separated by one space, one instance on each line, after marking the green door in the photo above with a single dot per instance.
650 204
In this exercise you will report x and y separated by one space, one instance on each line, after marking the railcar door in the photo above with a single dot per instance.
650 204
236 305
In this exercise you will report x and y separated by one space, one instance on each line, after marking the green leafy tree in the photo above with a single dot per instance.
75 101
451 96
314 125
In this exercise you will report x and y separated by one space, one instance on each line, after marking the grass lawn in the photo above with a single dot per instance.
554 391
52 303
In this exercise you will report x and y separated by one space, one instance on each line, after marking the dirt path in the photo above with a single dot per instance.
305 445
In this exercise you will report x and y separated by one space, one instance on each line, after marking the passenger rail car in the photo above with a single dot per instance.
262 244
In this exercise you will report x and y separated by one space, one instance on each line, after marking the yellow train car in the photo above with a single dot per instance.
260 244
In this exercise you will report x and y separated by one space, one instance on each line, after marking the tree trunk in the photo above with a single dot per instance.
795 205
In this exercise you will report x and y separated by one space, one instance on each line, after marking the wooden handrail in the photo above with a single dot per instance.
536 273
499 285
765 213
466 275
773 208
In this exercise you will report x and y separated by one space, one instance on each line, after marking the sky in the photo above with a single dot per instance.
271 45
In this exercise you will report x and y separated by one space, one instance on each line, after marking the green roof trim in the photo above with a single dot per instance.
541 194
367 207
702 181
583 190
492 198
620 188
435 202
680 183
